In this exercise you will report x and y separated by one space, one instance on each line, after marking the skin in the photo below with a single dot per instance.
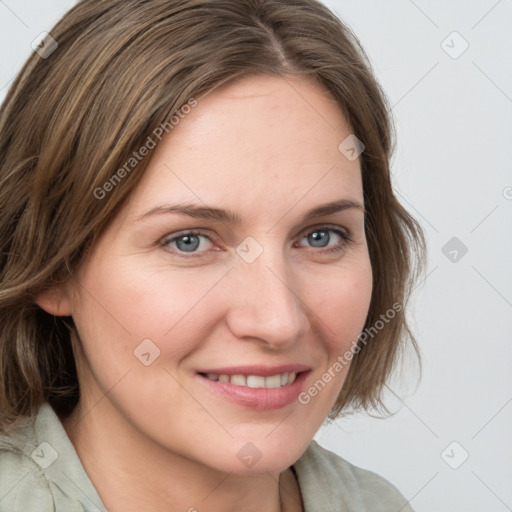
267 149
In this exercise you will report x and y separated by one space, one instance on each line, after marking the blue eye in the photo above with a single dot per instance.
195 244
320 238
187 242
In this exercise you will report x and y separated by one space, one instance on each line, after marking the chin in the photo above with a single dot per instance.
266 453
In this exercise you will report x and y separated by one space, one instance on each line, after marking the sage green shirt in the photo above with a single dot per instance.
40 472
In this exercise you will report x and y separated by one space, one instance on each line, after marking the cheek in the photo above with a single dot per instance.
118 309
340 307
343 305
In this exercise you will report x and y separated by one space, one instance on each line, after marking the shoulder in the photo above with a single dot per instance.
41 472
329 482
23 485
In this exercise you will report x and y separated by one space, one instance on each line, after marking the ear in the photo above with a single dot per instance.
55 301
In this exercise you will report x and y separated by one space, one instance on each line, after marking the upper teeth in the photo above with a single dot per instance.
255 381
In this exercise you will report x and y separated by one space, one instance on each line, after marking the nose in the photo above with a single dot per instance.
265 303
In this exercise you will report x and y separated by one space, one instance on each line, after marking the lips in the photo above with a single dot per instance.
257 387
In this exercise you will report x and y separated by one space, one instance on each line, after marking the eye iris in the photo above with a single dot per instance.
319 236
191 243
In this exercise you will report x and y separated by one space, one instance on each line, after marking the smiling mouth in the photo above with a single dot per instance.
254 381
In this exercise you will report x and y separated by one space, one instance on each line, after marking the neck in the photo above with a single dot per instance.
131 472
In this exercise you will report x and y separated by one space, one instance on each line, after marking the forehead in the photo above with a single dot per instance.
258 141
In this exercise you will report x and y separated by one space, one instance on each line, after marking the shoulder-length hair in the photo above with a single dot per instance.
113 73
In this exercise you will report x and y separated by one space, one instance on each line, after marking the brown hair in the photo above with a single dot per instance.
74 117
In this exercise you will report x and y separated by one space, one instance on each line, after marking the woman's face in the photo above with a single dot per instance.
171 305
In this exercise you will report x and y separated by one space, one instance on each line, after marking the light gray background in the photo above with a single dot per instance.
452 169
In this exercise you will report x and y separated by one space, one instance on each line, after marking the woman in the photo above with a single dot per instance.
202 259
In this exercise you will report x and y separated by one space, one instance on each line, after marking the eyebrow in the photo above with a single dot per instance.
230 217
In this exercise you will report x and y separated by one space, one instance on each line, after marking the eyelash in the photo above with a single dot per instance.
344 235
